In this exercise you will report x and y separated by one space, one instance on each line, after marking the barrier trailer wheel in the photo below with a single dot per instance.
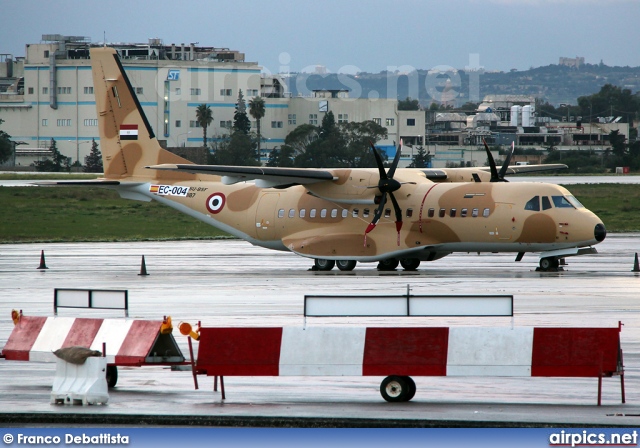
395 389
112 376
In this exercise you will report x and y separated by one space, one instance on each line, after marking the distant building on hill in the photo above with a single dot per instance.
572 62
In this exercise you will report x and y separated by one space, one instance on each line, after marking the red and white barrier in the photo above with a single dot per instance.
128 341
456 351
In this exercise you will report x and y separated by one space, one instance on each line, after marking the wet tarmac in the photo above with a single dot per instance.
231 283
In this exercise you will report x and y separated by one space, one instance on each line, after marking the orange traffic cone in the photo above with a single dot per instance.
43 265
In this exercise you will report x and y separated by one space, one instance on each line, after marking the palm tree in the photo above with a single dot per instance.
256 110
204 116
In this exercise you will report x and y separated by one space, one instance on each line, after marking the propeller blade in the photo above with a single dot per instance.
377 214
398 211
396 159
505 165
383 173
492 163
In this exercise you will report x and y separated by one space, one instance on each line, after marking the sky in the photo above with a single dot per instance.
347 36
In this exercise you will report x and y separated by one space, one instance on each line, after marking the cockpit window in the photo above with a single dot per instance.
533 204
546 203
574 201
561 202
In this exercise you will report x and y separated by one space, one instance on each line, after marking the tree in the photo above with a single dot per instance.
240 119
93 162
408 104
256 110
617 143
282 157
204 116
6 145
56 162
345 145
328 125
421 159
357 138
301 137
238 150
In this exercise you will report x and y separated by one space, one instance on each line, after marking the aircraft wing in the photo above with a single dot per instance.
519 169
265 177
482 173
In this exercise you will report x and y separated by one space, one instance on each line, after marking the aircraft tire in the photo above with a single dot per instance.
346 265
390 264
395 389
410 264
323 264
549 263
112 376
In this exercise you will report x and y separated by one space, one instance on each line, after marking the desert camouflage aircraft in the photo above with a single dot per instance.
340 216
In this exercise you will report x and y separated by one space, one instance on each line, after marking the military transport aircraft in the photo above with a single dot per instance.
339 216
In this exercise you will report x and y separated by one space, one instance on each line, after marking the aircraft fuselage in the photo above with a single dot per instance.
437 217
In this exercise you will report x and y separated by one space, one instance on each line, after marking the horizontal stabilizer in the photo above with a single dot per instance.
77 183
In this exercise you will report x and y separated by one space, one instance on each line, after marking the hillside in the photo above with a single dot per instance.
555 84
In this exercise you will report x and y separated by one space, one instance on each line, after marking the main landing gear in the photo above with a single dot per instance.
322 264
390 264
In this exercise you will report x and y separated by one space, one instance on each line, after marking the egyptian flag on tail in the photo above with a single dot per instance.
128 132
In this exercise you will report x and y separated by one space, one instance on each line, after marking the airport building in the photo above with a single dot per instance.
48 94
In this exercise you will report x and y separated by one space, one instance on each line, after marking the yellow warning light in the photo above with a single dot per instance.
185 329
166 327
16 315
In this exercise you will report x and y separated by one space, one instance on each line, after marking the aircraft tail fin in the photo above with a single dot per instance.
127 141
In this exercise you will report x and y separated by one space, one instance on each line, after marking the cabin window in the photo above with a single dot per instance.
474 213
485 213
431 213
387 212
409 212
365 213
355 213
345 212
452 213
463 213
546 203
292 213
534 203
323 213
303 212
281 213
334 213
561 202
443 211
312 213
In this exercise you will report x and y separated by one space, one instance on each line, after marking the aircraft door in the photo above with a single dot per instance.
504 221
266 216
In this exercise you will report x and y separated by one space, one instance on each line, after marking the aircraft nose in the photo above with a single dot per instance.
600 232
